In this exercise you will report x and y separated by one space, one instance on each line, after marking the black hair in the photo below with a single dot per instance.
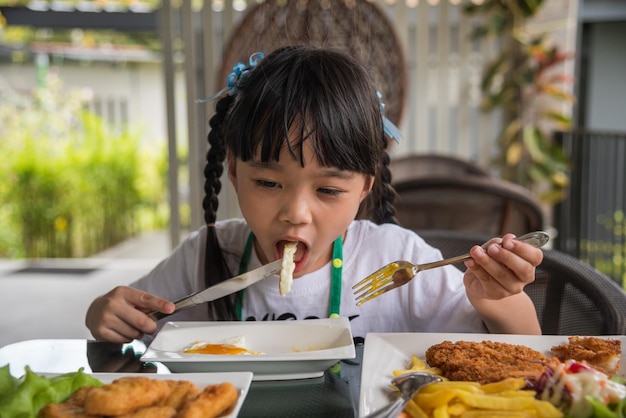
330 98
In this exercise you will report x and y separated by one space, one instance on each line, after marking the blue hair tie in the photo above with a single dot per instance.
391 130
240 72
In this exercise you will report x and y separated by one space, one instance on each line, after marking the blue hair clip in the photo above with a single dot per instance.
391 130
240 72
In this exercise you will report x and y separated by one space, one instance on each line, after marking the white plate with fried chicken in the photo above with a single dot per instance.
157 395
495 357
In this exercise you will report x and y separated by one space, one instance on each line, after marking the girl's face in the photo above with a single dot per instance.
283 201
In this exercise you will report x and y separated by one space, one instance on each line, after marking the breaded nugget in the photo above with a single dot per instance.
486 361
152 412
63 410
125 395
78 397
212 402
600 353
72 407
181 391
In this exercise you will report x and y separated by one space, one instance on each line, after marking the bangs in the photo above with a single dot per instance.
301 98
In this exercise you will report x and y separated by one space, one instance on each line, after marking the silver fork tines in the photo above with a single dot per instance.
399 273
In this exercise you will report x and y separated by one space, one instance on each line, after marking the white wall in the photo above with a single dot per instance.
605 107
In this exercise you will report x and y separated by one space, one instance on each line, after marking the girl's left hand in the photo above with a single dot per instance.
501 271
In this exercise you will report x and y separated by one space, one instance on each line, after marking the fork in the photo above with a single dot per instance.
399 273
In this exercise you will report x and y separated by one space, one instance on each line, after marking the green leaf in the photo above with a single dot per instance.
498 23
494 68
32 392
529 7
511 132
533 140
19 401
600 410
559 118
7 381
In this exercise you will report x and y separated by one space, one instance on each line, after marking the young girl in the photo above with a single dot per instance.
303 135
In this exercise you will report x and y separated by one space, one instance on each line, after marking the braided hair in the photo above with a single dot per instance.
326 88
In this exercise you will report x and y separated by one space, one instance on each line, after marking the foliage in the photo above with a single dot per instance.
608 255
71 185
521 82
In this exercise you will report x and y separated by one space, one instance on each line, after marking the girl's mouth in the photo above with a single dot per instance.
299 257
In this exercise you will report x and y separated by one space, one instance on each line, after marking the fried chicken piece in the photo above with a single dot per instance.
152 412
212 402
599 353
78 397
64 410
71 408
486 361
125 395
181 391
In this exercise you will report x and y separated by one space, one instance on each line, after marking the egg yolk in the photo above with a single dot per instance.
217 349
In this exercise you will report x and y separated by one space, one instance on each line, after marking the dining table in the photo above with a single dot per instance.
335 393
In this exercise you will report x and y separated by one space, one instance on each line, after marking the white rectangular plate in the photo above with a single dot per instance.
385 352
291 349
241 380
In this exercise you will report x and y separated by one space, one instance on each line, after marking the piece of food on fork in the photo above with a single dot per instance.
399 273
287 268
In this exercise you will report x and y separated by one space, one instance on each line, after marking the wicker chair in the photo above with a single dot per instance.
466 202
571 297
355 26
424 165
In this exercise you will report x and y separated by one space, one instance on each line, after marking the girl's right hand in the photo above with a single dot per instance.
121 315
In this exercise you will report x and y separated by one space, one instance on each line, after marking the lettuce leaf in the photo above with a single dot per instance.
32 392
7 381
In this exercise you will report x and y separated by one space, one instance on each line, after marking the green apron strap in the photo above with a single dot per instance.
335 278
243 267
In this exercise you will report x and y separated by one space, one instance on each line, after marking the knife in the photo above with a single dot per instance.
225 288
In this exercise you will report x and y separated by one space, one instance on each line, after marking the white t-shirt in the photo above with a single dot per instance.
435 301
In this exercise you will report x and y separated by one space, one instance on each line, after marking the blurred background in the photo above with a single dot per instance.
103 143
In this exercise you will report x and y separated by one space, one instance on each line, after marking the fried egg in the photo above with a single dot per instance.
230 346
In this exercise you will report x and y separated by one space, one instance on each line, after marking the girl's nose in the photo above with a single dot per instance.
296 209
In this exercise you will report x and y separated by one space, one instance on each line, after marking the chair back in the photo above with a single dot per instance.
425 165
571 297
357 27
472 203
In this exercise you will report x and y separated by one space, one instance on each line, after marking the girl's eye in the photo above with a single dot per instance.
329 192
267 184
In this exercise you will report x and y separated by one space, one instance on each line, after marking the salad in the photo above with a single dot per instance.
581 391
25 396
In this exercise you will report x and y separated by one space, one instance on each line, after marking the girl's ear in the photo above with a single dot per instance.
367 186
232 169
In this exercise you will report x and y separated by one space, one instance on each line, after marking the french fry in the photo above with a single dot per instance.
434 399
418 365
504 385
414 410
505 399
472 387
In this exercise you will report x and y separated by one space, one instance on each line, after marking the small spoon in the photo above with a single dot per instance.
408 384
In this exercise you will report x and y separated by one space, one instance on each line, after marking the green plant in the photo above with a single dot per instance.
70 185
608 256
521 82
